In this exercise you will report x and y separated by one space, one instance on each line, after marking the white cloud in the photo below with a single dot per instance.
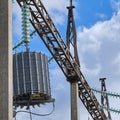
90 39
57 10
16 19
98 46
115 4
55 5
102 16
91 72
57 75
116 62
95 44
96 39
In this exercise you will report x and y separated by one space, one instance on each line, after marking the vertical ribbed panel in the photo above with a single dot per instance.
30 73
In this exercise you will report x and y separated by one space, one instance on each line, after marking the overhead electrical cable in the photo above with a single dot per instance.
22 42
36 114
111 94
111 109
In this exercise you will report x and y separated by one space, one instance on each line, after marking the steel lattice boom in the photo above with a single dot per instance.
46 29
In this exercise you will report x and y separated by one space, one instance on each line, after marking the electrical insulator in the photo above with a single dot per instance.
25 24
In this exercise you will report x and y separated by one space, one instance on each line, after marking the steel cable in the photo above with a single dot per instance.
111 94
31 113
111 109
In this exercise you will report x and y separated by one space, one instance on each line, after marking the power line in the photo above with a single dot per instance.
106 93
112 109
22 42
32 113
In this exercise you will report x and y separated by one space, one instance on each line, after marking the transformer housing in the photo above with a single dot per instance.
31 83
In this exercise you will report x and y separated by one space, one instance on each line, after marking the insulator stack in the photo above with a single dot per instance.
25 24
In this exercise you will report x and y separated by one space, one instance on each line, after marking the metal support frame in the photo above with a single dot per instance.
71 32
72 42
46 29
104 98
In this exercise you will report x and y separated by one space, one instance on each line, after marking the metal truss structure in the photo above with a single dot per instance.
49 34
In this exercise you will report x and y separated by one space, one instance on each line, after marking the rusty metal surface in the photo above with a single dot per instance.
72 44
71 33
46 29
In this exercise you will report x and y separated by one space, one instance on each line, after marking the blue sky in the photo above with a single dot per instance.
98 29
93 11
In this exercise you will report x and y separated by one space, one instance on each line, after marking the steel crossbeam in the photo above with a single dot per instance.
49 34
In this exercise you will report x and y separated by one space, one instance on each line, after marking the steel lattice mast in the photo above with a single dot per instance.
104 98
49 34
71 32
72 42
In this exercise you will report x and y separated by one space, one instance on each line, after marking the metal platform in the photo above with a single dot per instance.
31 99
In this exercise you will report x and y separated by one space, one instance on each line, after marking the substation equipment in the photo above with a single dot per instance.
31 81
46 29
